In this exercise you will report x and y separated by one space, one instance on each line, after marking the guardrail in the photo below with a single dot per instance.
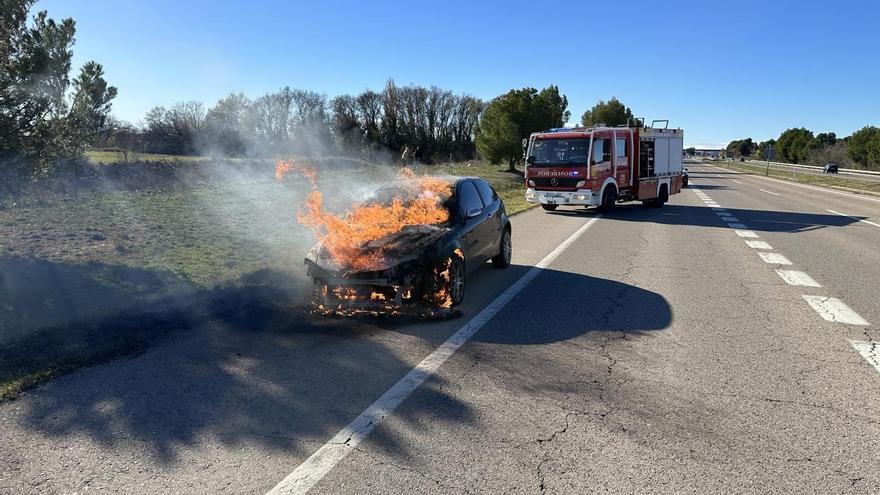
791 166
814 167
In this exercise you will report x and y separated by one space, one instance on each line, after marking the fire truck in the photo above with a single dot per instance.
601 166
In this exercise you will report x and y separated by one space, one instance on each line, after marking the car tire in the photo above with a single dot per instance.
457 279
502 259
549 207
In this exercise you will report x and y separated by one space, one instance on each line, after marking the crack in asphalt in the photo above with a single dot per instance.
384 461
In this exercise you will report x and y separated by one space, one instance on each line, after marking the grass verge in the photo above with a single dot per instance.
80 272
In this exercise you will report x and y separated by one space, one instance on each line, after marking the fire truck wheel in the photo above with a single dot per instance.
502 259
549 207
609 199
663 198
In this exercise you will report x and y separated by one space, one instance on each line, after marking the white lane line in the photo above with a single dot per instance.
745 233
769 192
734 180
310 472
794 277
854 218
735 225
823 189
774 258
869 351
730 219
759 245
833 309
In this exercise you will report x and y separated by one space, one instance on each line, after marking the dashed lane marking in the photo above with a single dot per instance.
794 277
320 463
735 225
854 218
745 233
833 309
734 180
869 351
774 258
759 245
770 192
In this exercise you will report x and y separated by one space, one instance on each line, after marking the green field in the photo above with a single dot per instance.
90 267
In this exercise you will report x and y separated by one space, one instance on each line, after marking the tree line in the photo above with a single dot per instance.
860 150
431 123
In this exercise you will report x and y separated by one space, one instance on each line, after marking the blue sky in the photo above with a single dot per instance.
721 71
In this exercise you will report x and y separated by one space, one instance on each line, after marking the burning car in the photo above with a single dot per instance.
410 245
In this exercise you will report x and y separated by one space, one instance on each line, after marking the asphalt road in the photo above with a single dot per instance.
656 352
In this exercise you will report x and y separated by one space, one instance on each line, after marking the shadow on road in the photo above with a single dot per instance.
254 370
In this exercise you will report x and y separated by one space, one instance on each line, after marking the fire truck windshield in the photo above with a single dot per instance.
555 152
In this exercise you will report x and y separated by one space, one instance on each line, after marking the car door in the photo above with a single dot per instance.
471 212
490 229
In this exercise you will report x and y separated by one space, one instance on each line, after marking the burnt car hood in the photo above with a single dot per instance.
413 242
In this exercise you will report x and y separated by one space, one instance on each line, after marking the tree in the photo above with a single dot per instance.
761 152
742 147
34 68
511 117
794 145
611 113
827 138
91 102
858 144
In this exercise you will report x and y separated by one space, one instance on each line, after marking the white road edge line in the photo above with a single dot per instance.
774 258
769 192
794 277
869 351
833 309
759 245
854 218
310 472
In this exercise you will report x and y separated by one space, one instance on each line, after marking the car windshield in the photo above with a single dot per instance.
405 192
549 152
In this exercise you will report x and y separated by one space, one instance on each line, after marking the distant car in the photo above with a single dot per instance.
829 168
684 177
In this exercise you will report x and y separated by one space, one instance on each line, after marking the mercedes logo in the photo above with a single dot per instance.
554 181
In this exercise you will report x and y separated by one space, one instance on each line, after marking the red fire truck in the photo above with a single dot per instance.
601 166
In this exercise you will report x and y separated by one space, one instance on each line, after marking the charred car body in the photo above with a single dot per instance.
419 265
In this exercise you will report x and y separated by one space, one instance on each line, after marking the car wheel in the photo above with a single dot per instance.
502 259
549 207
456 281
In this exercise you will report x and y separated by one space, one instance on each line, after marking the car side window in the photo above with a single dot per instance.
469 197
486 192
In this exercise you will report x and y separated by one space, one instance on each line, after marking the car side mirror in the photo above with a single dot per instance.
472 212
530 160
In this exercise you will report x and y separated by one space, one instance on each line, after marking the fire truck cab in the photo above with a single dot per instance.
601 166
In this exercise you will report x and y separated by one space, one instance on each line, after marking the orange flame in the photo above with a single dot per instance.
343 236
